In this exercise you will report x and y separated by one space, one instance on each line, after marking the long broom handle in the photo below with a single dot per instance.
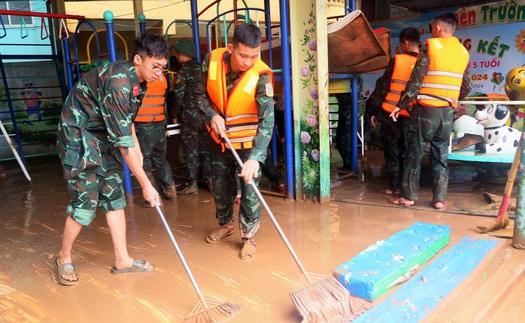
510 183
10 143
270 214
181 256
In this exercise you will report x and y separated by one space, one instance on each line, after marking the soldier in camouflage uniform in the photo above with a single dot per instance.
244 75
383 100
194 135
440 77
150 125
95 131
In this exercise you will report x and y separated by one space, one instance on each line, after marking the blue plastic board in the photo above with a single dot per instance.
388 262
418 297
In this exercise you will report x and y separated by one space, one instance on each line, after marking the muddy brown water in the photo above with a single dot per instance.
324 236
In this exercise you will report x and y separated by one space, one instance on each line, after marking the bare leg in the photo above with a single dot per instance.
117 226
71 231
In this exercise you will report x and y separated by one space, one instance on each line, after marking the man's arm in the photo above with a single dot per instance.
374 102
416 79
466 85
118 121
132 156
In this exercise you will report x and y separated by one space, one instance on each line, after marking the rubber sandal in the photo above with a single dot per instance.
248 249
217 235
65 269
139 266
439 205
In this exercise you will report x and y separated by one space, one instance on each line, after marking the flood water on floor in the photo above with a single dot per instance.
324 236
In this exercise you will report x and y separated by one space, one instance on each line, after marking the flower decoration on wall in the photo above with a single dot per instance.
309 125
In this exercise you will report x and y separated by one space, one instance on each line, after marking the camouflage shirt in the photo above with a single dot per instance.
264 106
97 117
188 76
416 80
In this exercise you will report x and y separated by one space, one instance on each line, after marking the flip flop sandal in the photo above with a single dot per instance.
248 249
221 233
65 269
138 266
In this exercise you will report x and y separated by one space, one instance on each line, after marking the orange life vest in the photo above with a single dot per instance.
448 60
403 66
152 108
239 107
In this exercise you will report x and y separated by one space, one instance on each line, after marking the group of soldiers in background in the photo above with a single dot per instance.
169 100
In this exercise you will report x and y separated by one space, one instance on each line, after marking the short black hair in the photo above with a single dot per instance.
449 19
247 34
409 34
152 46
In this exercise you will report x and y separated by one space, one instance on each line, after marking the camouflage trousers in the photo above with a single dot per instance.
433 126
225 170
152 140
196 140
89 189
269 169
393 140
343 138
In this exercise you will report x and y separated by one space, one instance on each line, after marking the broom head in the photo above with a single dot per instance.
323 301
213 311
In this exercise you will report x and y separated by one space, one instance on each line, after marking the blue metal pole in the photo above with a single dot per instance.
142 22
354 127
112 51
195 29
67 65
287 90
268 22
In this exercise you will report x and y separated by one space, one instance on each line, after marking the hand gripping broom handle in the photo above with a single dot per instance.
270 214
181 256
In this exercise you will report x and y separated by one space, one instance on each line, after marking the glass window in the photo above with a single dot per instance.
15 21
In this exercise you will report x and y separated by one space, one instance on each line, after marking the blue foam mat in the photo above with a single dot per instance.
419 296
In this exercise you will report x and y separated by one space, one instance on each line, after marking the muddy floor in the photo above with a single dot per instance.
324 236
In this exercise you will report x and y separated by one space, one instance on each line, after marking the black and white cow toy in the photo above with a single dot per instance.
499 138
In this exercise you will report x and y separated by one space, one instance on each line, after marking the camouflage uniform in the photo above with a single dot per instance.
153 145
96 120
224 164
194 134
343 137
393 134
427 125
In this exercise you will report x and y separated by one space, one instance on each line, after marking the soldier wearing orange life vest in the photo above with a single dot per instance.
150 125
440 78
383 101
235 94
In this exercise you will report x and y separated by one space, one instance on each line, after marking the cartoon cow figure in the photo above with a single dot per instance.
499 138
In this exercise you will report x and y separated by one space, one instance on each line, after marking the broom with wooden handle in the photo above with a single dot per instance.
205 310
325 300
503 219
